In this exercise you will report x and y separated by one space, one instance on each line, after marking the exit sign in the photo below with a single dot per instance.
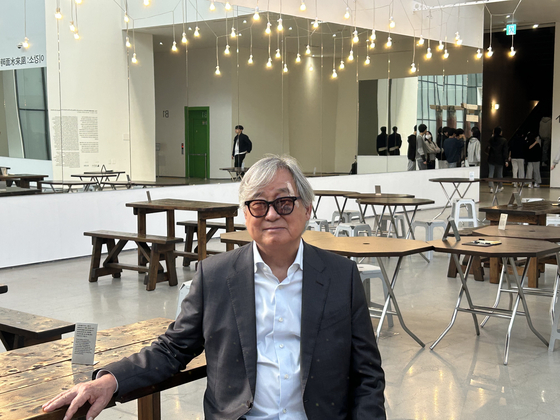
511 29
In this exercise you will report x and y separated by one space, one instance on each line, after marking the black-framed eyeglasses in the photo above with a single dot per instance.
283 206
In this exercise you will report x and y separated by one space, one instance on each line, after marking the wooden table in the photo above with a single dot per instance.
99 177
9 191
508 250
205 209
331 193
23 180
31 376
518 181
70 184
544 233
143 184
456 183
360 246
532 213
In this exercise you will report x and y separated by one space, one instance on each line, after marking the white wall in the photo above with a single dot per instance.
27 166
12 131
404 107
555 143
23 218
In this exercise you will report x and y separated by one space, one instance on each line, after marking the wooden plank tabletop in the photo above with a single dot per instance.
395 201
529 209
31 376
29 177
545 233
460 180
510 247
377 195
15 322
177 204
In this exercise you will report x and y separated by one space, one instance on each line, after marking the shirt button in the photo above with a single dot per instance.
281 319
281 346
286 376
284 411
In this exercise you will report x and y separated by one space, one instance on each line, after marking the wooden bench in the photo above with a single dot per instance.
20 329
162 249
191 227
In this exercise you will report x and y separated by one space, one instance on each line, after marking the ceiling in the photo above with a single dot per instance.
527 13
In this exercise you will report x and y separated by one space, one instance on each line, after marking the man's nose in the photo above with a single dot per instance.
271 213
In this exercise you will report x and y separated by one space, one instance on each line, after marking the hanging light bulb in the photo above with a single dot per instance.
232 35
302 6
367 61
134 60
511 51
347 14
184 38
391 22
440 46
356 39
76 35
316 23
351 55
146 2
490 52
429 53
298 58
218 70
307 50
341 64
72 27
212 6
311 67
25 43
285 70
227 6
334 75
478 54
127 43
269 62
196 32
250 61
226 51
256 16
446 54
267 30
413 68
373 35
371 45
278 53
280 27
421 40
78 1
458 40
389 42
126 19
174 47
57 14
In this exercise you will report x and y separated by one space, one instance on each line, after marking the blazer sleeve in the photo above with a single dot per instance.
171 352
367 379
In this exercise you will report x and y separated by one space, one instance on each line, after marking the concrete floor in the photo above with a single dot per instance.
463 378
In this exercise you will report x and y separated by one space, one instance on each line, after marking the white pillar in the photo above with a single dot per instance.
555 141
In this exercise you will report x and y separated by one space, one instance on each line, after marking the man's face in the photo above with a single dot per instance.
237 131
273 232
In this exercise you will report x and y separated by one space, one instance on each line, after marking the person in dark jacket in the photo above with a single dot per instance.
497 157
394 142
518 148
441 137
241 146
411 153
534 154
382 149
453 147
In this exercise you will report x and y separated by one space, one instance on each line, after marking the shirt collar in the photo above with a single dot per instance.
297 264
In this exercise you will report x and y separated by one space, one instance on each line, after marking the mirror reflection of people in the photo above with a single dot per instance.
241 146
411 152
285 326
497 156
432 150
534 159
381 144
421 153
453 147
394 142
473 148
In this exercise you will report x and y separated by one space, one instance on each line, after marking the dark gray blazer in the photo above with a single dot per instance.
341 369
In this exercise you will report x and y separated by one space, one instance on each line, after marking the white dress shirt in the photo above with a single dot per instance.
278 393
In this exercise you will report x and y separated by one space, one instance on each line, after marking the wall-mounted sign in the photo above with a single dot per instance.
511 29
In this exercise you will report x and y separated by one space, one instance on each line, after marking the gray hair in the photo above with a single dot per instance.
262 173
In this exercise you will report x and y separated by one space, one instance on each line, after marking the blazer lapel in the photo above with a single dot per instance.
241 284
314 294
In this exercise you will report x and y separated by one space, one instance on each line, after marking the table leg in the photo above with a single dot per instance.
149 407
316 207
141 215
171 223
391 298
533 272
448 204
494 270
229 228
201 234
339 211
410 230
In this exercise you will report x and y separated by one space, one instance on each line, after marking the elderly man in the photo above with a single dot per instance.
285 326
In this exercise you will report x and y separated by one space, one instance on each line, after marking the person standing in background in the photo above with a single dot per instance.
534 159
473 148
421 153
497 157
453 148
395 142
241 146
518 149
411 152
441 137
382 149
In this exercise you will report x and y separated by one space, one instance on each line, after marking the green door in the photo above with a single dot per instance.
197 139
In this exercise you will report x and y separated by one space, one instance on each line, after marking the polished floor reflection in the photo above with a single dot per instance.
463 378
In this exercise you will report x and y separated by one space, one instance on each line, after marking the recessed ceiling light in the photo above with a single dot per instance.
334 35
536 25
161 43
508 16
190 29
290 28
504 29
239 34
244 20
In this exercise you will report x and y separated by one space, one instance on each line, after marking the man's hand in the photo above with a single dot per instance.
507 164
98 393
552 166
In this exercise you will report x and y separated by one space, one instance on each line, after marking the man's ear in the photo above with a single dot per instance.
308 210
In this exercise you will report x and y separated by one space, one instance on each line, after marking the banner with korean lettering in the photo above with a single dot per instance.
22 23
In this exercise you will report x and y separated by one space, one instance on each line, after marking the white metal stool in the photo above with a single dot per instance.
352 229
367 272
387 226
347 216
318 224
429 229
469 204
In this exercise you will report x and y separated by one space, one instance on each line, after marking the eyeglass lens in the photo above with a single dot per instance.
283 206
